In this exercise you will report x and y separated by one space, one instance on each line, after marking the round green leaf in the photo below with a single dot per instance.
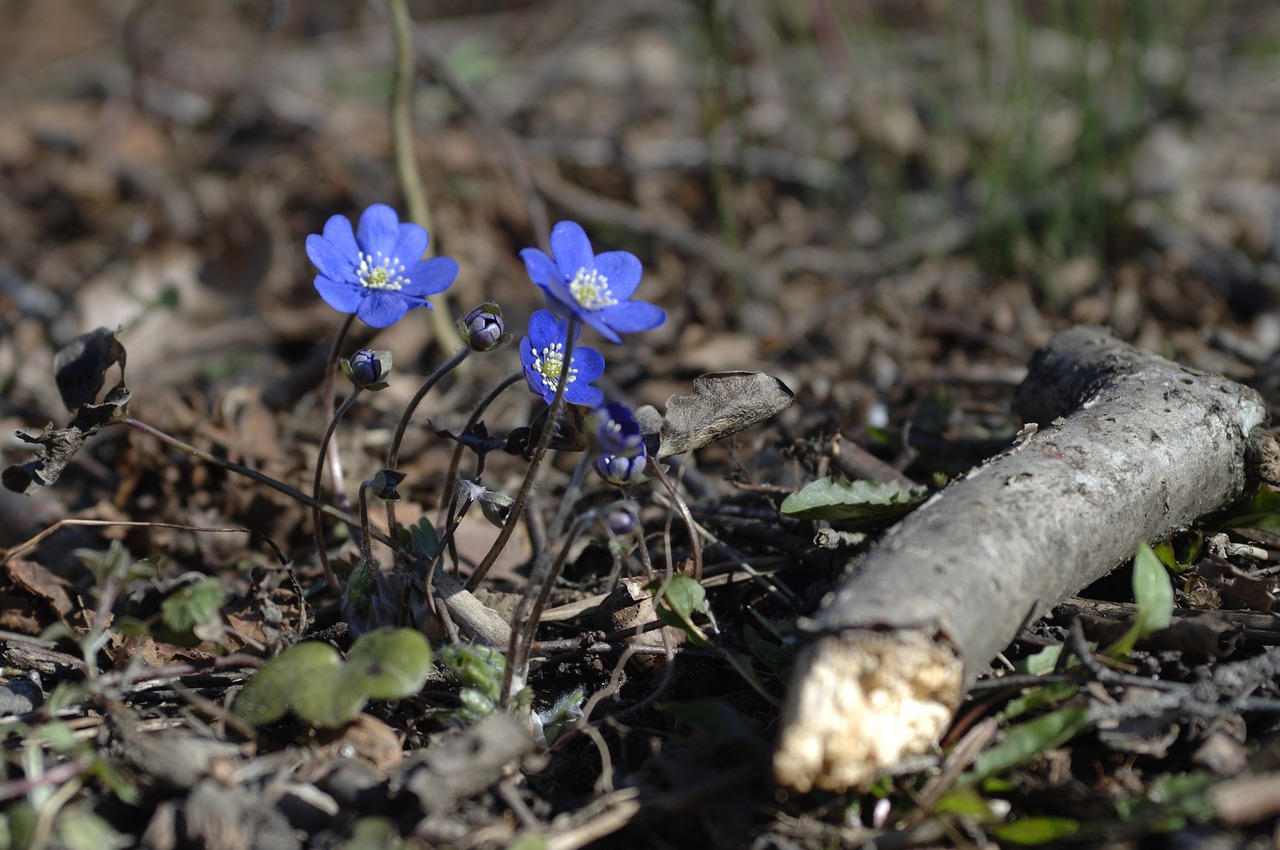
390 663
271 692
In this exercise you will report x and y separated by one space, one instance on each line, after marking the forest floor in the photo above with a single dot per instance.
888 207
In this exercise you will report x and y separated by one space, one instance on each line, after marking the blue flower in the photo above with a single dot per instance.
594 287
624 469
377 272
612 429
542 353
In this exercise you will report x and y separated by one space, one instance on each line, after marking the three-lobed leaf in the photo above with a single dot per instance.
311 679
830 499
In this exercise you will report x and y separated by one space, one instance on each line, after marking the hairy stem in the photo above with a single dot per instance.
317 526
695 540
451 479
393 452
544 440
339 491
410 179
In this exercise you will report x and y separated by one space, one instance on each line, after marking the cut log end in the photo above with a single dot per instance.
863 701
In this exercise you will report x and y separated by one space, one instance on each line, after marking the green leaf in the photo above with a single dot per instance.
80 829
477 667
771 655
681 597
1050 694
826 499
312 680
193 605
966 802
421 538
476 706
1025 741
1170 801
1037 830
1179 554
717 721
373 832
1261 511
59 736
1153 596
1039 663
270 694
390 663
1152 591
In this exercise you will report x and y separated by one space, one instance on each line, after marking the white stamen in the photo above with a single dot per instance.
550 363
381 272
591 289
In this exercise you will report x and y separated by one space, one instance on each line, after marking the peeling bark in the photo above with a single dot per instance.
1129 447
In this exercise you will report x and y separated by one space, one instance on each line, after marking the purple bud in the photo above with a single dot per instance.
621 470
621 521
496 507
367 369
483 328
384 484
613 429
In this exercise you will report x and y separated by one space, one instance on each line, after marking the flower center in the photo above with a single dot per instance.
591 289
377 271
550 363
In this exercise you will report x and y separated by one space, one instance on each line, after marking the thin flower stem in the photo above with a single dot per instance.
466 610
451 479
339 488
569 497
393 453
492 130
402 117
544 440
366 543
317 525
407 173
524 621
246 471
695 540
646 560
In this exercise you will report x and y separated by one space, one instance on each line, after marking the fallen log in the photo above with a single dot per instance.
1129 448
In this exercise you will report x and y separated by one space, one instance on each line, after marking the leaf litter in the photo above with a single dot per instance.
123 750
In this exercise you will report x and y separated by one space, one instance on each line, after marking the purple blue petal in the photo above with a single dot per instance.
570 253
411 244
622 270
540 267
379 230
380 309
630 317
571 248
427 277
336 253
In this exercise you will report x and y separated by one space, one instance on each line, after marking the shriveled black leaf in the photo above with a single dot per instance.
80 367
475 438
59 445
722 403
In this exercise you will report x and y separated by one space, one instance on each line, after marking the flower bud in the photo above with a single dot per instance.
483 328
367 370
613 429
383 485
622 470
496 507
621 521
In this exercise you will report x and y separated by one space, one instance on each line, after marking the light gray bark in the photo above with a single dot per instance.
1129 447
